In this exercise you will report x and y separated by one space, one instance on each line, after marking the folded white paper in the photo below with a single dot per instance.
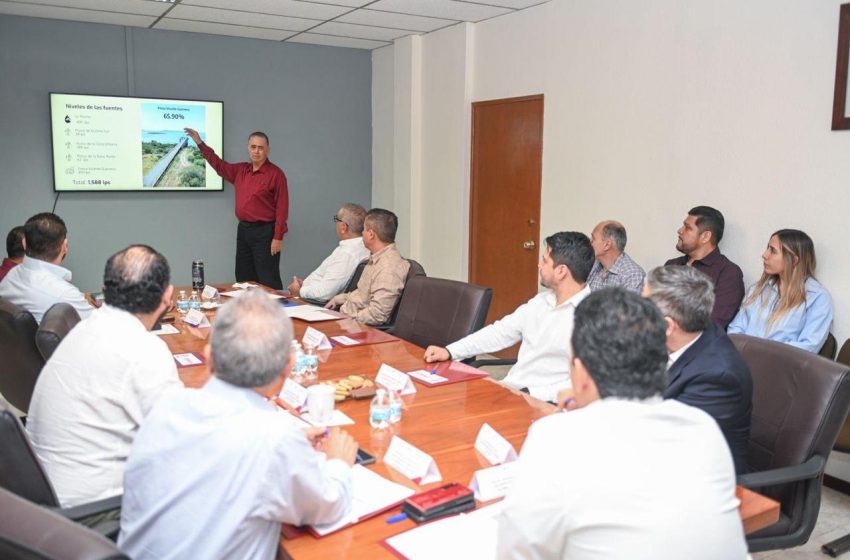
345 341
316 338
187 359
209 292
412 462
237 293
426 376
493 446
338 418
197 319
493 482
243 285
291 419
395 380
166 329
293 393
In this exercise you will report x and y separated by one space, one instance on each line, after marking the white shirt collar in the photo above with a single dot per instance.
678 353
54 269
352 241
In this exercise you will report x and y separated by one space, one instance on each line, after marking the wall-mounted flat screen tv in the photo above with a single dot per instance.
103 143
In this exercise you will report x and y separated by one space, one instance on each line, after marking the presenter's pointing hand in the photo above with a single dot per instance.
436 354
193 134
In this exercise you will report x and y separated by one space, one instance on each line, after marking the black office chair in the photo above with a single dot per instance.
842 444
800 402
439 311
29 531
20 360
22 474
55 326
828 348
414 271
349 287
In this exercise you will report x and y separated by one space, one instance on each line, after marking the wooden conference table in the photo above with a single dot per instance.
442 421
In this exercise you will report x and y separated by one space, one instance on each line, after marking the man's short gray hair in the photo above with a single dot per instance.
353 215
616 233
251 340
684 294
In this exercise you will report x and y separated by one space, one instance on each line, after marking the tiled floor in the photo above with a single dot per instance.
833 522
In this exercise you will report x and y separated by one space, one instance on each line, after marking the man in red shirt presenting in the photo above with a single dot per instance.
262 207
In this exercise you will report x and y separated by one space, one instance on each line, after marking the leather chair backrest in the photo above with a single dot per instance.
29 531
20 360
439 311
20 470
414 271
828 348
355 278
55 325
842 443
800 402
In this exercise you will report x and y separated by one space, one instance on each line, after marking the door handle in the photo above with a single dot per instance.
529 245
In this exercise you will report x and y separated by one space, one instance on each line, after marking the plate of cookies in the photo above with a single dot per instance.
353 386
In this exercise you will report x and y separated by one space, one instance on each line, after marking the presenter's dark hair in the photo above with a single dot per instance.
259 134
620 338
15 243
135 279
572 249
383 222
709 219
44 234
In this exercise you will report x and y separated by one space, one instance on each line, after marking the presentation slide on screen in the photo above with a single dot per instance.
132 144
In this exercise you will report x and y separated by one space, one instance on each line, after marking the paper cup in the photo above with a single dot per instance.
320 401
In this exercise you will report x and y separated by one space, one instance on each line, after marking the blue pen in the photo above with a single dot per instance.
397 518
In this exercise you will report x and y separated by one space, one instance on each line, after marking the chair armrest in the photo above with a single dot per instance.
492 362
810 469
82 511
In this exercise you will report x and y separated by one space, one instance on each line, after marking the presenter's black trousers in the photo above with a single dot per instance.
254 260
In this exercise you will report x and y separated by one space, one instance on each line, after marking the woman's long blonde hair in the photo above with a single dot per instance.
798 254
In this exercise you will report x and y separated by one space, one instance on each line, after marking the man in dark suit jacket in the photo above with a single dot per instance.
705 369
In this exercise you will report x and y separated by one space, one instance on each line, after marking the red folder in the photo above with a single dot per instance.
372 336
454 372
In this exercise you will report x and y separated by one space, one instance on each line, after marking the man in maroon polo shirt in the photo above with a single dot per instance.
262 207
14 250
699 235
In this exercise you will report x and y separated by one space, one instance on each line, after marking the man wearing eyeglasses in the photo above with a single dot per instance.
330 278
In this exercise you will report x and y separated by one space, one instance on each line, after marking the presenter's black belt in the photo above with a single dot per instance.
254 224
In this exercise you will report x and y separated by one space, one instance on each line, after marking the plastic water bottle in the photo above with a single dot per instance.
195 301
396 405
311 363
298 368
182 303
379 410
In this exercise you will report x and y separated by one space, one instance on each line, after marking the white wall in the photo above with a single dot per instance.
650 108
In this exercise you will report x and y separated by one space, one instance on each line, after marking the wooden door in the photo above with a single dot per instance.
504 236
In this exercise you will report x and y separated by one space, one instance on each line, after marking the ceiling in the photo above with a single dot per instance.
359 24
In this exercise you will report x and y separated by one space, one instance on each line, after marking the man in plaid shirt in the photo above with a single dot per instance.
613 267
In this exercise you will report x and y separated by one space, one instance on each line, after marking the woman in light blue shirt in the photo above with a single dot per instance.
787 304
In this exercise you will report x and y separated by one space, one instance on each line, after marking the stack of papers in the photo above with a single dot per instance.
468 535
311 313
372 494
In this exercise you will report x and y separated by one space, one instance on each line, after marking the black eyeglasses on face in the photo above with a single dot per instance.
336 219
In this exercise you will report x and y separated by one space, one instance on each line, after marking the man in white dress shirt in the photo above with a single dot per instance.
103 379
39 281
626 475
215 471
333 274
543 324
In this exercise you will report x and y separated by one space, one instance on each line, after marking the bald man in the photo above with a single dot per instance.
613 267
